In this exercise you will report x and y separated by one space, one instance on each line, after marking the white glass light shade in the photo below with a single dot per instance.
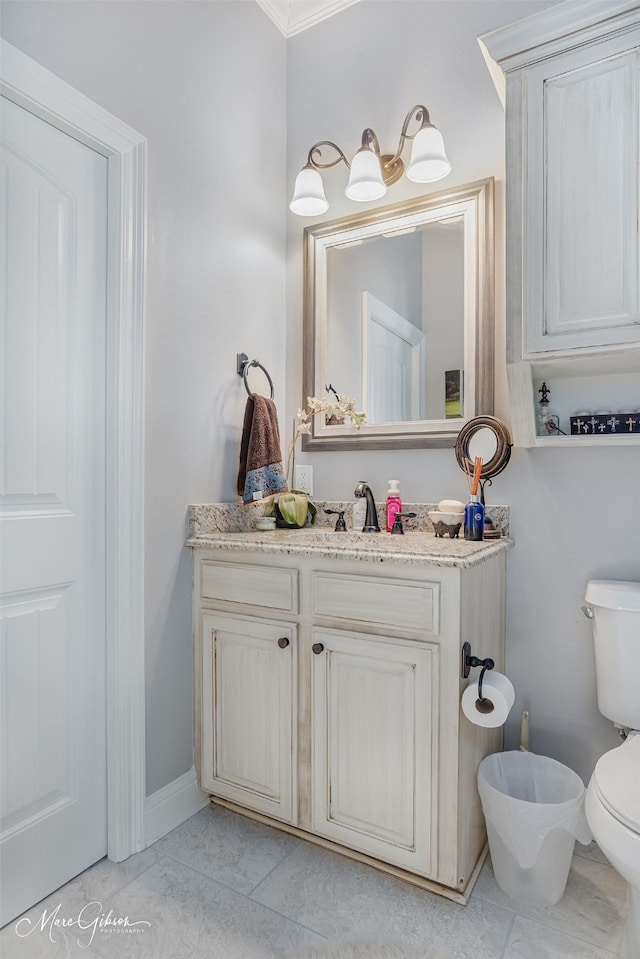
428 158
365 178
308 194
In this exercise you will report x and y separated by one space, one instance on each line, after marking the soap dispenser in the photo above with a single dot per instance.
394 503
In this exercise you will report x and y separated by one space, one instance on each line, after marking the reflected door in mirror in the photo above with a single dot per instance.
393 370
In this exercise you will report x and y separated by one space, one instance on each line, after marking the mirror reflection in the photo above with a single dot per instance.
399 316
484 444
396 303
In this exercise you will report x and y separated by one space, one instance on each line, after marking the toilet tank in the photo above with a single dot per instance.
616 636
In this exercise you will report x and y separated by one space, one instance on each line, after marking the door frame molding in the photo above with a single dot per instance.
31 86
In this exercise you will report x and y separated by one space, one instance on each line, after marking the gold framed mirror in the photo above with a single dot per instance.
399 315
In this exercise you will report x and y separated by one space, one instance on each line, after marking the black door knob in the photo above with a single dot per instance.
317 648
283 642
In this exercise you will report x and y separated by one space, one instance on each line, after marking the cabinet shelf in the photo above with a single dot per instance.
569 394
609 439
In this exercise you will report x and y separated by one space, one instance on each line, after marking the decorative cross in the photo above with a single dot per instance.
544 392
613 422
579 425
631 423
594 423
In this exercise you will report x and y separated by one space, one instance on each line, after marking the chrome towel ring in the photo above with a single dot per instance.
243 366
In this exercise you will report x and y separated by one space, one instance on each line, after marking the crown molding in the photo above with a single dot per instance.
543 34
294 16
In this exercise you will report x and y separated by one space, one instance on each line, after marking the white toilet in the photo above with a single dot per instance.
612 803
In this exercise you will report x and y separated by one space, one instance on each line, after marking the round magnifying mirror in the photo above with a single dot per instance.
483 444
487 437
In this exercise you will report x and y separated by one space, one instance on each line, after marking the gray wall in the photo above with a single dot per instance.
206 83
368 66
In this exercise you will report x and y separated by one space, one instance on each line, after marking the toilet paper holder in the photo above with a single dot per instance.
468 661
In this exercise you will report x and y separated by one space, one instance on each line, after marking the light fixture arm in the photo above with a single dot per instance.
392 166
370 141
421 114
318 164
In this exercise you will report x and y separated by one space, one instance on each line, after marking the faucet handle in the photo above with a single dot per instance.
341 526
397 521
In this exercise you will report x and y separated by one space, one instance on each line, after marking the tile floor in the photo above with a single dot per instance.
223 887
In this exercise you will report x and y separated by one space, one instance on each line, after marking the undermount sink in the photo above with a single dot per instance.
308 536
324 534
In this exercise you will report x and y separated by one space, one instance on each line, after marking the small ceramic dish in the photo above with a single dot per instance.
449 519
265 522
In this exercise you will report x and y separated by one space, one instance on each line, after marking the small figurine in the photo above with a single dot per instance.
548 423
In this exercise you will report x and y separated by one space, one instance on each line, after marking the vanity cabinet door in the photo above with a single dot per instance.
248 701
374 729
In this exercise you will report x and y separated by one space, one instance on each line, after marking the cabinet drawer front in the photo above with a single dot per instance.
408 604
265 586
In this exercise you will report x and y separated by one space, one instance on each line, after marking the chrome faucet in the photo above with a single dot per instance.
371 519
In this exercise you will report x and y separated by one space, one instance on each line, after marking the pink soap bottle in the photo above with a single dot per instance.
394 503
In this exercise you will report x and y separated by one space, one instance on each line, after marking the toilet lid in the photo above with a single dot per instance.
617 777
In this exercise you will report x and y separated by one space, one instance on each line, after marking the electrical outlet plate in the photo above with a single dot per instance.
303 479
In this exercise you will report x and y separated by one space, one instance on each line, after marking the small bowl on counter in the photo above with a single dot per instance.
444 523
264 523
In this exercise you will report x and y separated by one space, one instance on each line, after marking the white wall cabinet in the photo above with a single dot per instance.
328 702
570 82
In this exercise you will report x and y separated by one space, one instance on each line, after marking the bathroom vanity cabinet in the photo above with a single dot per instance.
328 693
569 79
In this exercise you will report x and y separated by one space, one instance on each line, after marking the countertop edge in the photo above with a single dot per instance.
244 542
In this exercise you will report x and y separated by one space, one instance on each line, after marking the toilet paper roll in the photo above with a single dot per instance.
498 690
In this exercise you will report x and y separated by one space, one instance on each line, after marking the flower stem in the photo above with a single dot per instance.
291 458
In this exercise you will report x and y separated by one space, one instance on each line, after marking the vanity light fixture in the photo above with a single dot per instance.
370 173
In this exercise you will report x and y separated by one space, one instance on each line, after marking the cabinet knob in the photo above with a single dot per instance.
283 642
317 648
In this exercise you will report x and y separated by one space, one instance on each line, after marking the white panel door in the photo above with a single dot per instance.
52 519
393 372
248 735
374 732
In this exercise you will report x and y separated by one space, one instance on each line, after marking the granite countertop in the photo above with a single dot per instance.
209 528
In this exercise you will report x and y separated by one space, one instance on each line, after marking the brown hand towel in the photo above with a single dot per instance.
261 467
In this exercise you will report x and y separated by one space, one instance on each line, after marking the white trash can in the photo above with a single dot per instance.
534 810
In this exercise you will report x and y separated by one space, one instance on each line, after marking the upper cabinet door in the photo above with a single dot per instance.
580 230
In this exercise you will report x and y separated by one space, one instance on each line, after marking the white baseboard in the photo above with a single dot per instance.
173 804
